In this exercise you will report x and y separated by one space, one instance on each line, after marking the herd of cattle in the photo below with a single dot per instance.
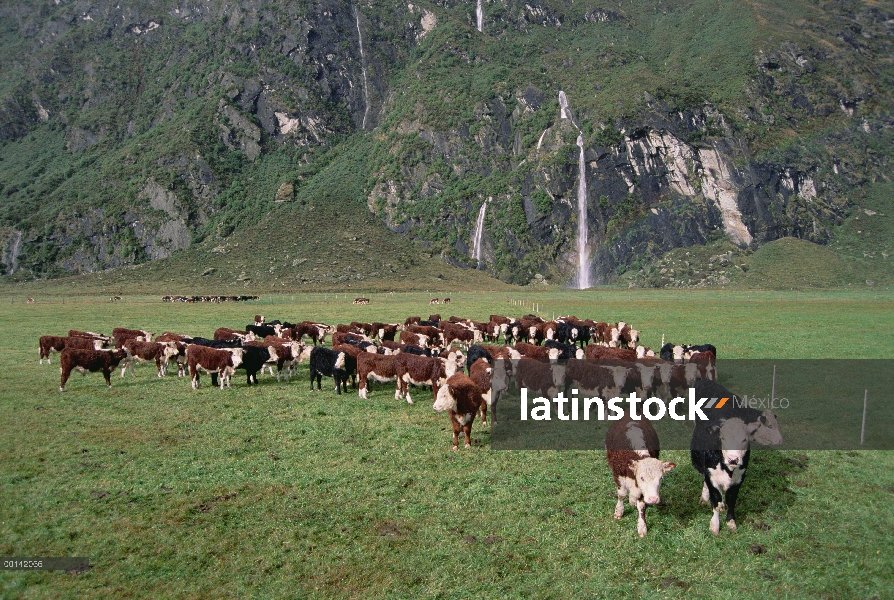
205 298
598 358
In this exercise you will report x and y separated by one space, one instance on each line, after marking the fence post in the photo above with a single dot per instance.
773 389
863 428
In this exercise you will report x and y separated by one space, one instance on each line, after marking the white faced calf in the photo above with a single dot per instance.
632 453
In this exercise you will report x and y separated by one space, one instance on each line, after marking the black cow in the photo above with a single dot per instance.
262 331
570 333
566 351
338 365
419 350
720 448
475 352
253 360
219 344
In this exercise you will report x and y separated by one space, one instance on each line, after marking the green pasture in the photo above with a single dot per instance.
276 492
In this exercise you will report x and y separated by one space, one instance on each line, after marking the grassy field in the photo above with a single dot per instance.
276 492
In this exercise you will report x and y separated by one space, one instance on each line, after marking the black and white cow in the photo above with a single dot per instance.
329 363
720 449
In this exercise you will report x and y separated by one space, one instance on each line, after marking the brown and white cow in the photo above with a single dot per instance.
462 400
631 448
121 335
48 344
541 377
412 369
90 334
482 374
158 352
91 361
414 339
212 360
225 333
378 367
539 352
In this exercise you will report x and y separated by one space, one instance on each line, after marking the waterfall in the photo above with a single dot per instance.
563 104
540 141
479 14
583 264
478 233
14 254
363 68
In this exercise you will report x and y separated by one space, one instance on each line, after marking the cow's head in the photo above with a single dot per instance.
734 440
765 430
678 353
340 361
237 356
444 399
649 472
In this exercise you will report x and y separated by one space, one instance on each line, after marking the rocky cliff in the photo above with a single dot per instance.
131 131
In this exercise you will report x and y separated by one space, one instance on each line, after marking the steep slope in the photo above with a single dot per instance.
134 132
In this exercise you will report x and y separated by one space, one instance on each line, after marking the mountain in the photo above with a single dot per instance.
149 130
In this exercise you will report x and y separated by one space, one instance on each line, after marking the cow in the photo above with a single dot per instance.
434 301
465 337
50 343
167 336
414 339
446 301
262 331
361 301
380 368
259 319
474 353
594 352
75 333
541 352
218 344
84 343
158 352
598 379
706 364
281 353
180 358
566 351
254 356
515 332
432 333
385 331
420 370
310 330
720 449
412 321
628 337
221 362
89 360
541 377
631 448
462 399
122 334
329 363
225 333
482 372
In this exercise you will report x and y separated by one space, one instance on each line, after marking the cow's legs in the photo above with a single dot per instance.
717 506
467 429
731 494
705 499
107 373
619 507
641 528
65 375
